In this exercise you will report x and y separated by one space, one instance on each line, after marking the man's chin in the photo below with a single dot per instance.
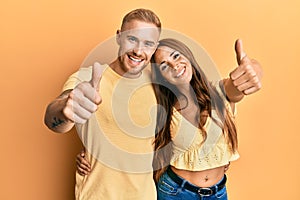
135 71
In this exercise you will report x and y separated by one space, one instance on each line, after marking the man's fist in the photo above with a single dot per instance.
84 99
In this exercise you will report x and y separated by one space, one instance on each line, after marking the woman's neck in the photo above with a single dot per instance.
188 107
186 97
185 90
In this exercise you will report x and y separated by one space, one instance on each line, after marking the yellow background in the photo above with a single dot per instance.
42 42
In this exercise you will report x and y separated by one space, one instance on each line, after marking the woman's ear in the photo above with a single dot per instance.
118 36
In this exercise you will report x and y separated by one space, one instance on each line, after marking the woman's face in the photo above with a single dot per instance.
173 66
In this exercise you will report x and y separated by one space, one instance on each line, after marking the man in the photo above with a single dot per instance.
116 118
114 176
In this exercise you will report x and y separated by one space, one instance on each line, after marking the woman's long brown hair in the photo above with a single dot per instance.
207 98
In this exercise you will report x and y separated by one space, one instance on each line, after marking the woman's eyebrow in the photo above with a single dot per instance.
171 54
162 63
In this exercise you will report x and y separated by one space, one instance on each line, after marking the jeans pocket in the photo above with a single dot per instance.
166 188
221 194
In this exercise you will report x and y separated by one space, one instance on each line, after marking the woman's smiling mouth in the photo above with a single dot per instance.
181 72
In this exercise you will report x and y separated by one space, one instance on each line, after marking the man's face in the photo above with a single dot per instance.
137 42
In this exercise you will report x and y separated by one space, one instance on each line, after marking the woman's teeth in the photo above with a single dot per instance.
180 73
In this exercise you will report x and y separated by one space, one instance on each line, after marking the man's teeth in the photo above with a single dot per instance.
135 59
180 73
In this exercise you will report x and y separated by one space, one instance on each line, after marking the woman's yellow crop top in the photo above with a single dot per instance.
189 153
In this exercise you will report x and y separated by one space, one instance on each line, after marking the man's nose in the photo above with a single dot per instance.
138 49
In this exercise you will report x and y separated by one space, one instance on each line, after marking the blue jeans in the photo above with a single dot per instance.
167 189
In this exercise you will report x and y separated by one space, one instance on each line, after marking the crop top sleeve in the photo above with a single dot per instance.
189 153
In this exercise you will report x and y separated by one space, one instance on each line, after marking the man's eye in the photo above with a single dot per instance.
132 39
149 44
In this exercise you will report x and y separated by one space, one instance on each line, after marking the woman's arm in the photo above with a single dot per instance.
245 79
83 166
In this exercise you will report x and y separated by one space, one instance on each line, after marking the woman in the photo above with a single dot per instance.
196 137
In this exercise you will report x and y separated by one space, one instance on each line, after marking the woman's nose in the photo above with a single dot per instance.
174 65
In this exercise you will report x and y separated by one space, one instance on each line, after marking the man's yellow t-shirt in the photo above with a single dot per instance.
118 138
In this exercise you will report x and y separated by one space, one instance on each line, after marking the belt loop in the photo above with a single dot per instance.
216 188
183 183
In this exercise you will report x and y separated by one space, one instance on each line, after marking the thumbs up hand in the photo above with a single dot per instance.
84 99
247 76
96 76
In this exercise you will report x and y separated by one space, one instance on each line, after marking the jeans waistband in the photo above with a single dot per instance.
203 191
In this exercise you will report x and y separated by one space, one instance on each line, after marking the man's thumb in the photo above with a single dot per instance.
96 75
239 50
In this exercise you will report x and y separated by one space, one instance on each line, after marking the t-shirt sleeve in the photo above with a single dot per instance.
83 74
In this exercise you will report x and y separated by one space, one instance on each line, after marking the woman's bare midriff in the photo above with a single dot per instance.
204 178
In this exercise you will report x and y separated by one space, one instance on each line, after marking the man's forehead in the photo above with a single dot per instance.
137 24
143 33
140 28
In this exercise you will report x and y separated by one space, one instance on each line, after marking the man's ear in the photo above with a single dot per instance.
118 36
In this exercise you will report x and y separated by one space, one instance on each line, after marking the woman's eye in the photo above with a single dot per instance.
176 55
163 67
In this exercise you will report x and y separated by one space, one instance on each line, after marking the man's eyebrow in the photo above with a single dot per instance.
150 41
131 36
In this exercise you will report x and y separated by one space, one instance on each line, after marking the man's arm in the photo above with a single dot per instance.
75 106
55 118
